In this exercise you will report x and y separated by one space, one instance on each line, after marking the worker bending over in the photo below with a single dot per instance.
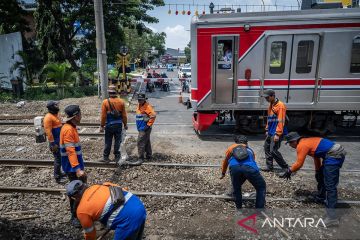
241 161
328 159
114 207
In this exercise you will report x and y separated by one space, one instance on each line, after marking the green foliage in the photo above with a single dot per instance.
30 64
57 36
188 52
139 45
11 19
113 73
48 93
5 96
59 73
157 40
89 66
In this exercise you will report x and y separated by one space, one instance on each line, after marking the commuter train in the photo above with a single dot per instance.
311 58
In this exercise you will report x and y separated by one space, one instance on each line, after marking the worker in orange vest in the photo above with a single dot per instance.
71 155
275 130
145 118
328 159
240 159
116 208
113 116
52 126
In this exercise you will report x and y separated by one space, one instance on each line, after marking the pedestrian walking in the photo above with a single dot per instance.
114 207
240 159
52 126
71 154
328 159
275 130
113 117
145 118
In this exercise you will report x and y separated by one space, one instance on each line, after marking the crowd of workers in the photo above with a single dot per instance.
122 211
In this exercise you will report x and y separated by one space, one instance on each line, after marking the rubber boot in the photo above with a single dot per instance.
105 159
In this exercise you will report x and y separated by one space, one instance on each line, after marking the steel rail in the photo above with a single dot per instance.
59 191
94 134
84 124
12 133
97 164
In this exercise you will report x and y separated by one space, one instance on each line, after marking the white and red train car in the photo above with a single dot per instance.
311 58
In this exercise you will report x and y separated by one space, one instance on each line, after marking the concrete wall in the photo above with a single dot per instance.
10 44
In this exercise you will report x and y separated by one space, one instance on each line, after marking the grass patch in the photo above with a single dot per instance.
47 93
5 96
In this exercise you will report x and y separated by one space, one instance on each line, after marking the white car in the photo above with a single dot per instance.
184 72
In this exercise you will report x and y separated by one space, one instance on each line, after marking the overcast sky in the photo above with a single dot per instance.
177 27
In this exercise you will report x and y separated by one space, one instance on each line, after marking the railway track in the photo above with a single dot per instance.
86 129
97 164
59 191
93 131
84 124
8 162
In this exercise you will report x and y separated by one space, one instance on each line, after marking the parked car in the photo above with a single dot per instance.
184 72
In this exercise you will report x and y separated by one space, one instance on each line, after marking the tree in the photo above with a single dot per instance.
57 36
59 73
188 52
12 20
136 44
12 17
139 45
157 40
30 64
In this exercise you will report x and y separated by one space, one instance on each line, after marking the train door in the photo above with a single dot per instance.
277 65
302 80
223 58
291 67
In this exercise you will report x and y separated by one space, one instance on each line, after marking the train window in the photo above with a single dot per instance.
304 56
355 56
277 57
224 54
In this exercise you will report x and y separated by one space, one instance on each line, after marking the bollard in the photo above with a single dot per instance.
180 98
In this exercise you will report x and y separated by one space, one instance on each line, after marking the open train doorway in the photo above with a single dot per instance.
223 76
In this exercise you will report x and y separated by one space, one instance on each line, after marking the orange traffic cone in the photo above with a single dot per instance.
180 98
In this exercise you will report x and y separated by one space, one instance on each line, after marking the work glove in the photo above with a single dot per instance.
286 174
222 175
146 118
54 148
81 175
276 138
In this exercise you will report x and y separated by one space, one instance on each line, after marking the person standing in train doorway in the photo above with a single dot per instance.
275 130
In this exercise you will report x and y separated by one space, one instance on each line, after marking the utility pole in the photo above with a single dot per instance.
101 47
